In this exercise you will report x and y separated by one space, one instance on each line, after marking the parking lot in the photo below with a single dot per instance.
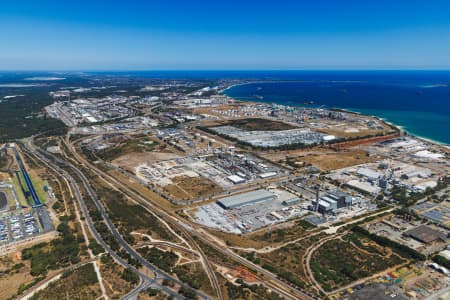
15 226
395 228
247 218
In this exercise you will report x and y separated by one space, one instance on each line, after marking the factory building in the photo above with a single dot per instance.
332 201
246 198
235 179
369 173
426 234
291 201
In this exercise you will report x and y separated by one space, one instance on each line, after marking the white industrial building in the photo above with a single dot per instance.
364 186
235 179
332 201
246 198
369 173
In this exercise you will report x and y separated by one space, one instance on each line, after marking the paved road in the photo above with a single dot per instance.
54 162
204 260
270 279
85 213
42 285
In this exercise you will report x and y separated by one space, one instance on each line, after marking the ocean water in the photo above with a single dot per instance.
417 101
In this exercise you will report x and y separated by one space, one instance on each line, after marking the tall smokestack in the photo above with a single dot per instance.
317 198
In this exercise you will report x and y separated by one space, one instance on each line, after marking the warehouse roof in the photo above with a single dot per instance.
236 179
250 197
425 234
369 173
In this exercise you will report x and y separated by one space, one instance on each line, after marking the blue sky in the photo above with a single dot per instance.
176 34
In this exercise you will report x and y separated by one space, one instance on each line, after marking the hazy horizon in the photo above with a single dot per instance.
204 35
124 70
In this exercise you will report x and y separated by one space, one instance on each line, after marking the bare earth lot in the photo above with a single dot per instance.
259 124
186 187
323 158
336 160
132 160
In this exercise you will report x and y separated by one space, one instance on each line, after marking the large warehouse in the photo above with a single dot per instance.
426 234
333 201
246 198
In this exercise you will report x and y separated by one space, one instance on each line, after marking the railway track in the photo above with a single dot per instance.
41 154
281 287
207 265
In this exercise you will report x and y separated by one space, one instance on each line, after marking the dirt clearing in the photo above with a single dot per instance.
188 188
131 160
334 160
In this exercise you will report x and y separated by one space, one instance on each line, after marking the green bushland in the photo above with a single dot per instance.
130 276
95 247
259 124
243 291
193 275
400 194
127 216
4 160
74 284
440 260
357 238
383 241
286 261
337 263
130 217
188 293
134 145
152 292
22 116
164 260
61 252
23 287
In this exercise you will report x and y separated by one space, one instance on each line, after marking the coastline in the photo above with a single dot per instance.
399 127
284 81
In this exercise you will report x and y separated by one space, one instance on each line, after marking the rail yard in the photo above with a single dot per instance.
174 190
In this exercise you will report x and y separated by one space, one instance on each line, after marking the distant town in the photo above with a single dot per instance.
170 189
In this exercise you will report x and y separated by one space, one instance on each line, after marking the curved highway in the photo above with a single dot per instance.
146 281
283 288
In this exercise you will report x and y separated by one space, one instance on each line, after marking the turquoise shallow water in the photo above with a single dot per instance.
422 124
422 108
